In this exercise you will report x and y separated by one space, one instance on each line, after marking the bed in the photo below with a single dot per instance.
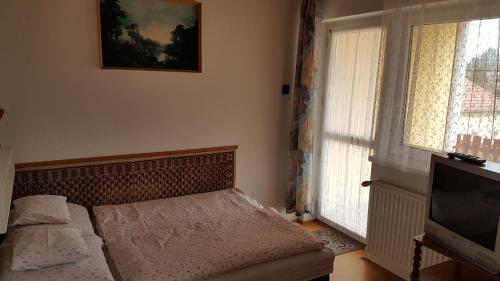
181 214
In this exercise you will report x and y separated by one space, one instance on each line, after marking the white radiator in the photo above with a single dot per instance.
395 216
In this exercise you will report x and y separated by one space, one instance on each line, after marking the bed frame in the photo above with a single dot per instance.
129 178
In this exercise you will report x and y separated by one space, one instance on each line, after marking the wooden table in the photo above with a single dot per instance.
456 269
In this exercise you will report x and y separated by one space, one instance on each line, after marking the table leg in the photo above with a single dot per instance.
417 257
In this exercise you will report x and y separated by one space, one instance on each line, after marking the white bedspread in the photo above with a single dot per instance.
93 268
196 237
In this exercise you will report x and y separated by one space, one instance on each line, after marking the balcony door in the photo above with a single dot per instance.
346 140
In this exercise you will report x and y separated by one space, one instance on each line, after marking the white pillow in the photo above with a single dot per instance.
41 247
79 219
40 209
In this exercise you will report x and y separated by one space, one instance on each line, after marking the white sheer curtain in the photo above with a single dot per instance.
439 85
347 130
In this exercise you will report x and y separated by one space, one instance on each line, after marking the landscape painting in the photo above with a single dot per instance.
151 34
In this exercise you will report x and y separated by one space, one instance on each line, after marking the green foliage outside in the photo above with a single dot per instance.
483 70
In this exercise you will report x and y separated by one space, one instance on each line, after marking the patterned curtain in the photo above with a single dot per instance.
301 126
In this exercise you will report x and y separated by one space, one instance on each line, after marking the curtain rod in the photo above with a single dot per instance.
354 17
427 5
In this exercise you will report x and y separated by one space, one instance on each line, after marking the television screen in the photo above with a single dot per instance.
466 204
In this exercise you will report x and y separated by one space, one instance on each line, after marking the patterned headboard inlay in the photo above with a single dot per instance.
126 182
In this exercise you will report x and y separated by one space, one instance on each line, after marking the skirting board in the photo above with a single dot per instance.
294 217
306 217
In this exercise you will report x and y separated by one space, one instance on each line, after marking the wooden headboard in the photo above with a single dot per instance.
129 178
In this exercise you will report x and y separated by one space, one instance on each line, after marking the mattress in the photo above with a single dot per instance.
201 237
93 268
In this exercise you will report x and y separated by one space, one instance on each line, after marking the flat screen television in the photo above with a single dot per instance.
463 209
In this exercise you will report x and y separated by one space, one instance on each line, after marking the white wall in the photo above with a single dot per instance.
342 8
61 105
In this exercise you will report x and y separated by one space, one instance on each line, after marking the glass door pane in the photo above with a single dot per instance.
347 135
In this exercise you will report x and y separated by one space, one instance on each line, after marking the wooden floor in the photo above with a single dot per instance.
352 266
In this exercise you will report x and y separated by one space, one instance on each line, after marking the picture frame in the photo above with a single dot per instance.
158 35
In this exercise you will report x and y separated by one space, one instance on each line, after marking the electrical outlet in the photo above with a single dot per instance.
285 89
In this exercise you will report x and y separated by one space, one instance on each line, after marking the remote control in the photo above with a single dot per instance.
467 158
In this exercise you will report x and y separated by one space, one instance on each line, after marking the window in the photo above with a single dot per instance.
453 88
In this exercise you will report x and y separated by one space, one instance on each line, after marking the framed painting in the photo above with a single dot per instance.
150 34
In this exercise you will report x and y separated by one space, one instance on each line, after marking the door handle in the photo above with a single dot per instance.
366 183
